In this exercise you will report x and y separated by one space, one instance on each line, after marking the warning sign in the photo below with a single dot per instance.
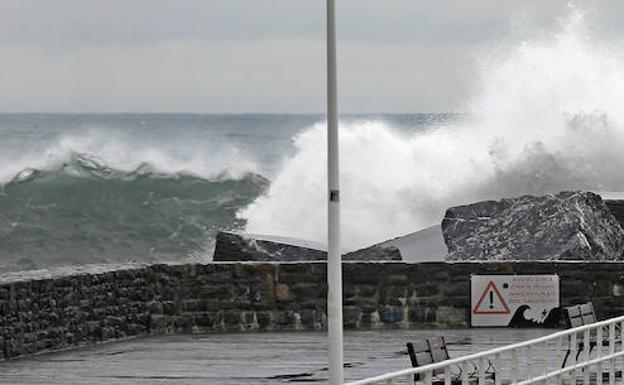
514 300
496 303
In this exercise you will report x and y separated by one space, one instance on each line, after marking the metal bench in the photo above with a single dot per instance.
434 350
580 315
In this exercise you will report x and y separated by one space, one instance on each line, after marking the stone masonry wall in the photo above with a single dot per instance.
46 313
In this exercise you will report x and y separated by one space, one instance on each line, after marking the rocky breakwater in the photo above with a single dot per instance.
564 226
238 246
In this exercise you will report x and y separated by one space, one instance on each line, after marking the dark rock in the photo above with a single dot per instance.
232 317
247 247
374 253
307 290
367 305
264 318
283 318
351 316
422 314
567 226
231 246
367 290
427 290
204 320
155 307
308 318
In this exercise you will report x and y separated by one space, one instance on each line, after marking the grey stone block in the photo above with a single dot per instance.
563 226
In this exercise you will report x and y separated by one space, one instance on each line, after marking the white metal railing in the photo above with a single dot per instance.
593 359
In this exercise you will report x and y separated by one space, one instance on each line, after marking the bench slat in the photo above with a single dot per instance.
420 346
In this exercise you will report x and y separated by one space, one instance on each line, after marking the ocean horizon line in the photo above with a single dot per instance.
129 113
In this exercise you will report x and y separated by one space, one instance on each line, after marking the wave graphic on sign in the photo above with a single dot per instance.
520 320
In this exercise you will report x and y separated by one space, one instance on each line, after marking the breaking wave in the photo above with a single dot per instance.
546 116
85 211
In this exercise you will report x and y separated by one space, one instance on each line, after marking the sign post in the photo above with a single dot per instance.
514 300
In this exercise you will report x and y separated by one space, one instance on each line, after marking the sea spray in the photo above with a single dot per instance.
546 116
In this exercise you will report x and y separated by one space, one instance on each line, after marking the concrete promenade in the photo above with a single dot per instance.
228 359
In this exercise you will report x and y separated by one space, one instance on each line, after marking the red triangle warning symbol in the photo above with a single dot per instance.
490 306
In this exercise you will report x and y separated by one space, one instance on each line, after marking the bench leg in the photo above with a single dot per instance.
579 353
565 359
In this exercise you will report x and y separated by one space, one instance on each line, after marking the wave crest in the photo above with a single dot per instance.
85 211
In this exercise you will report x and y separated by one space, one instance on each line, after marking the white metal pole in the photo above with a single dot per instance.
334 259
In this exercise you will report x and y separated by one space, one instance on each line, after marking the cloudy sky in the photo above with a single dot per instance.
232 56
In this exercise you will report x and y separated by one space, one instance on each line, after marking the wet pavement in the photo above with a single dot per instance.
262 358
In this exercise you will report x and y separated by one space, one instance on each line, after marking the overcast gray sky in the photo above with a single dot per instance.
234 56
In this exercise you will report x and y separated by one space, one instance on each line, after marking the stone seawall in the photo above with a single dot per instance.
43 312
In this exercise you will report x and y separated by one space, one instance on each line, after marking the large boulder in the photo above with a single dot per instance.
238 246
374 253
564 226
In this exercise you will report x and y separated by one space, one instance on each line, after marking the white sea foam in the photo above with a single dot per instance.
547 116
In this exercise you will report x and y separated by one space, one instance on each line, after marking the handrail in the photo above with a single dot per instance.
497 351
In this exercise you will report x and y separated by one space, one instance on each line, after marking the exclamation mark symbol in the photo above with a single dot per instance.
491 299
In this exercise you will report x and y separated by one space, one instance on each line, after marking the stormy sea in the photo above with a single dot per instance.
544 116
143 187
